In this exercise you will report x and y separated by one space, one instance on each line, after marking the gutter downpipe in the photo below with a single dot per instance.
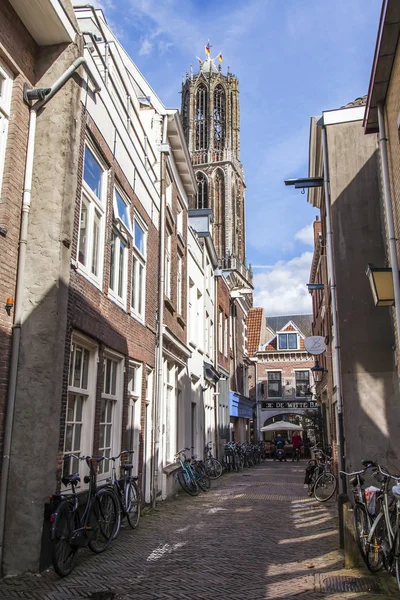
336 349
389 216
159 354
19 287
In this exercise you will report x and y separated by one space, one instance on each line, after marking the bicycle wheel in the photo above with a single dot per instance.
103 520
325 487
374 552
132 504
213 468
396 559
362 526
62 553
119 511
187 483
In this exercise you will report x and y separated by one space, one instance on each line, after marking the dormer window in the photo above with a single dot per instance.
288 341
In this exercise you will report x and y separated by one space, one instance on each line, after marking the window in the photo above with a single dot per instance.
138 270
201 117
219 118
5 107
220 332
302 383
134 406
111 411
121 211
80 404
202 190
179 220
118 265
274 385
287 341
219 212
167 273
179 288
226 328
91 227
168 192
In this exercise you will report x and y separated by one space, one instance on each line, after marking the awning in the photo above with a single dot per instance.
281 426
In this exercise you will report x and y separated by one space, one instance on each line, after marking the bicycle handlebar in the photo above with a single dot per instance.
354 473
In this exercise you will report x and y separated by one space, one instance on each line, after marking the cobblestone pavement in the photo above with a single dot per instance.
253 536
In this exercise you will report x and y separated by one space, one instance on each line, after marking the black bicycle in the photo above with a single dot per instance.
126 492
73 528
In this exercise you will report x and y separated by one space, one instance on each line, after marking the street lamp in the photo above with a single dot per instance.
381 282
308 394
318 372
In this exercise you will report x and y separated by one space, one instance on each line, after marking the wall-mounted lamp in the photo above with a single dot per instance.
308 394
9 305
318 372
35 94
381 282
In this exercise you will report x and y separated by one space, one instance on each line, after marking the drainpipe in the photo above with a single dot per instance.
336 349
45 96
159 352
389 216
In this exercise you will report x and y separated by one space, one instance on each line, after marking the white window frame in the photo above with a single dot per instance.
168 193
179 220
104 469
295 380
94 204
118 214
179 284
281 382
113 291
220 332
88 409
5 111
138 302
135 379
287 333
167 269
226 329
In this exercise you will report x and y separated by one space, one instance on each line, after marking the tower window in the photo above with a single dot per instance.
201 118
219 212
202 190
219 117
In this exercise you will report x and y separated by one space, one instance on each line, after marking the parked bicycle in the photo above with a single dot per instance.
126 492
72 528
382 545
213 466
321 482
190 479
362 519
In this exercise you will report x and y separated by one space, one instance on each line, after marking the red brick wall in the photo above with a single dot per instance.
93 313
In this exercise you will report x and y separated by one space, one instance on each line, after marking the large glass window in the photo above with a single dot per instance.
302 383
179 285
201 118
202 190
91 227
167 273
118 265
80 404
219 118
134 406
275 384
121 210
287 341
111 411
138 289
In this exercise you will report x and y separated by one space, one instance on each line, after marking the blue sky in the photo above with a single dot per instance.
293 59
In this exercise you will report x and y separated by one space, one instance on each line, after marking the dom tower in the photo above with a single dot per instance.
211 122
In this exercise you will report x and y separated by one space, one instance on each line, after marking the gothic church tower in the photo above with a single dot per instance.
211 122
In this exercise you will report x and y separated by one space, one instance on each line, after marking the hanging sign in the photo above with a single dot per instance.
315 344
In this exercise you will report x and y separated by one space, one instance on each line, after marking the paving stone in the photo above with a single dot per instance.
253 536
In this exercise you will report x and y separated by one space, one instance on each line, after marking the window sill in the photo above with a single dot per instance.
137 318
169 305
181 321
76 266
169 469
116 300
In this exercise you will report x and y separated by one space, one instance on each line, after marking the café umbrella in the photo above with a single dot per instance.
281 426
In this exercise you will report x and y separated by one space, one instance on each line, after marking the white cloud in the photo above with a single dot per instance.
145 47
306 235
283 291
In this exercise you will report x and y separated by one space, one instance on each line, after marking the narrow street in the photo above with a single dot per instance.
254 536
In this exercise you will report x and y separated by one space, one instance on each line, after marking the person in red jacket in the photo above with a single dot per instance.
296 440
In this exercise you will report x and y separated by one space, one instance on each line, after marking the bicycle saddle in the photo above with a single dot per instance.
127 466
368 463
68 479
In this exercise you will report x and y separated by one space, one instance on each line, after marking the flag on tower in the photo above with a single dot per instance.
208 49
219 57
200 61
